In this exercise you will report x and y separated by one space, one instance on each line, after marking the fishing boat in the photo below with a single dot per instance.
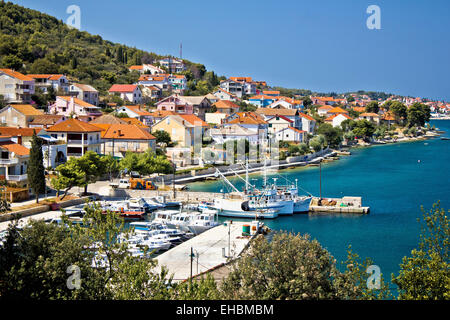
203 221
164 216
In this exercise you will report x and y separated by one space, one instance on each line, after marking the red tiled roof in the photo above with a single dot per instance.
126 132
16 75
194 120
123 88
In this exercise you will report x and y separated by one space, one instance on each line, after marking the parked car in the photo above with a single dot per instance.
135 174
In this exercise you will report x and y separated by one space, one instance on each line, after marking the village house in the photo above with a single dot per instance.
291 114
221 94
323 111
181 128
84 92
16 87
152 92
276 123
262 101
13 161
54 151
249 87
225 106
108 119
160 81
232 132
370 116
118 139
215 118
79 136
136 112
22 136
323 101
336 110
249 120
45 121
18 115
271 93
233 87
308 123
59 82
158 115
173 65
178 82
73 107
336 119
290 134
197 105
127 92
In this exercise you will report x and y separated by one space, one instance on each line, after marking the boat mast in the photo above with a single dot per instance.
246 175
227 181
264 174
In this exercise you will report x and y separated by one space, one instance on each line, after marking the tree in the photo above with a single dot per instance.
363 129
162 137
93 166
288 267
372 106
317 143
333 135
146 163
35 169
418 114
12 62
398 109
70 175
425 274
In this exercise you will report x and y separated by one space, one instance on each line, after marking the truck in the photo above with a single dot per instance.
142 184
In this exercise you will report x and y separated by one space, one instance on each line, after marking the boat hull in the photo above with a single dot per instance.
301 204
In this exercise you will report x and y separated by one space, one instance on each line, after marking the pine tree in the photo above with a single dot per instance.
35 170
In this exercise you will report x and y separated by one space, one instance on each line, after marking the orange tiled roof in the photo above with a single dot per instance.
27 109
73 125
247 118
225 104
138 110
359 109
46 76
14 132
18 149
194 120
304 115
296 130
369 114
136 67
337 114
16 75
162 113
127 132
77 101
337 110
134 121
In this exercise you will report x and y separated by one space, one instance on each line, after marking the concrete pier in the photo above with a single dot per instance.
208 248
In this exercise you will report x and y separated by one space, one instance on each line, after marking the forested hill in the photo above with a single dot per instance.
34 42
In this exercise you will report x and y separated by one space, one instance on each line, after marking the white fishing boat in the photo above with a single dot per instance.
203 221
180 221
164 216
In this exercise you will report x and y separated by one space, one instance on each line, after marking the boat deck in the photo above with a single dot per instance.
208 250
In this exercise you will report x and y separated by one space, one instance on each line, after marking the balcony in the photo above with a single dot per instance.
9 161
18 178
86 142
74 154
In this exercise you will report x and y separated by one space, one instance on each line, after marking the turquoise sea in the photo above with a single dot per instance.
395 180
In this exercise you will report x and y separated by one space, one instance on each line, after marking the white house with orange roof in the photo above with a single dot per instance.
70 106
222 94
291 134
178 82
370 116
136 112
44 81
16 87
278 122
323 111
236 88
127 92
79 136
14 158
308 123
336 119
158 80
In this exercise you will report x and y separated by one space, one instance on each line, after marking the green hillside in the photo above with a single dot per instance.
34 42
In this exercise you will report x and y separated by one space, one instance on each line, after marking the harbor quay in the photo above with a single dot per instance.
206 252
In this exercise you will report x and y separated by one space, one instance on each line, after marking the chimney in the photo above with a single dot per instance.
19 139
119 132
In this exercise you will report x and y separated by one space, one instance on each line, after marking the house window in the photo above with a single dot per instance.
15 119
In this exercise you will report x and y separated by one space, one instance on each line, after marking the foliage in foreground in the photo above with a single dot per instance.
425 275
34 262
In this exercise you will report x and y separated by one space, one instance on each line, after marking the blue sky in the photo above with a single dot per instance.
321 45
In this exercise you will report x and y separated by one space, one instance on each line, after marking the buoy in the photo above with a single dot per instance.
418 161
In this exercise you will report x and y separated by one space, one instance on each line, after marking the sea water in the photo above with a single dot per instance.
394 180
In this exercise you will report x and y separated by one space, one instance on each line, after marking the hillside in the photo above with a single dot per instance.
34 42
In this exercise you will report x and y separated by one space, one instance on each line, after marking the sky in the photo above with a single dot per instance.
321 45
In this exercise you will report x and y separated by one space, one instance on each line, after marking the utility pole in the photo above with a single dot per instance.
192 258
320 180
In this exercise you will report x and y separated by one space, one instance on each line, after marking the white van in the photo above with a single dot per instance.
124 184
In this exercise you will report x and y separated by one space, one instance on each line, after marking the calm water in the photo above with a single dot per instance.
390 180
